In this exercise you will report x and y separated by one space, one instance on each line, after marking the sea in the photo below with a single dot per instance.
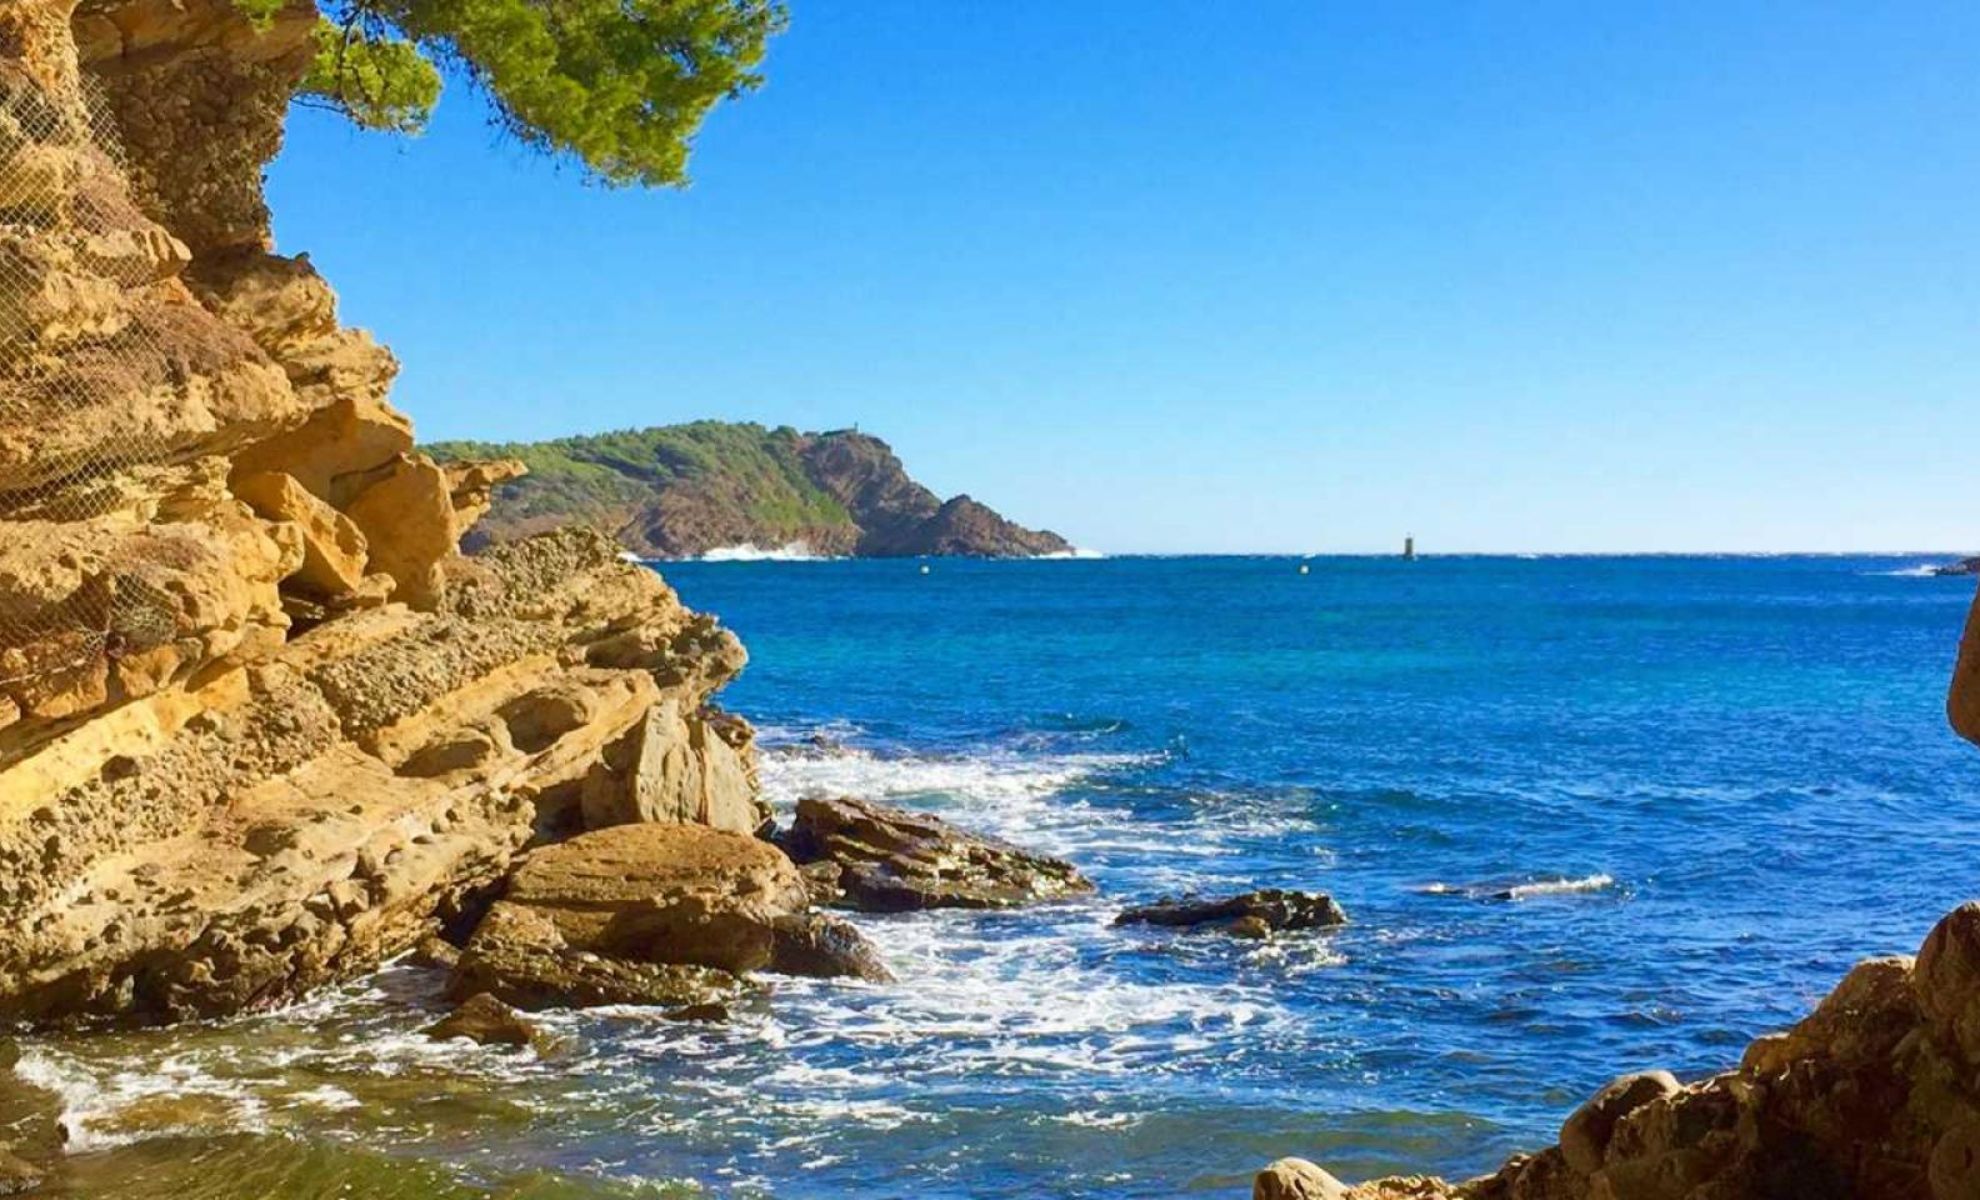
1587 816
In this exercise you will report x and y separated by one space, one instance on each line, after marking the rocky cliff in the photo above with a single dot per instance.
683 490
1874 1096
261 726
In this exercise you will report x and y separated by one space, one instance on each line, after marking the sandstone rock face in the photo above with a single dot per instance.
874 858
261 725
618 900
1253 914
1585 1136
1874 1096
678 768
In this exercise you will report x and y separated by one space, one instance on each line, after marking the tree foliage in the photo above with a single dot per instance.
621 85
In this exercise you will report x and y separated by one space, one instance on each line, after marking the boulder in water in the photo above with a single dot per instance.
1296 1179
1965 566
875 858
1252 914
818 945
652 914
484 1020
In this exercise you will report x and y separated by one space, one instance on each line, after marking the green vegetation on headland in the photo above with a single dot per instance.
682 490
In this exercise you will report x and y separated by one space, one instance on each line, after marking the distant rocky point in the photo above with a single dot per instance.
1965 566
680 491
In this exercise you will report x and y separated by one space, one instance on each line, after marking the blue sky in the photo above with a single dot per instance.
1276 275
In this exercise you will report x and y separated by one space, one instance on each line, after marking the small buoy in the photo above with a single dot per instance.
1303 568
924 568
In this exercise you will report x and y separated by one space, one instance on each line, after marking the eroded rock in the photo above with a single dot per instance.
653 914
1585 1136
876 858
1874 1096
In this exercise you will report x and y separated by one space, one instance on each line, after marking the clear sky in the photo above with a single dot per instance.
1287 275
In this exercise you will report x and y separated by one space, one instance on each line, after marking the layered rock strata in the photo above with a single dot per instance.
653 914
875 858
261 726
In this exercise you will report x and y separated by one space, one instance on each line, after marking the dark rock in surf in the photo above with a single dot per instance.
486 1021
1252 914
826 948
1965 566
874 858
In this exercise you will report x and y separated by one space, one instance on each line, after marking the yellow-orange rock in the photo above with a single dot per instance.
407 515
472 486
232 769
336 450
334 550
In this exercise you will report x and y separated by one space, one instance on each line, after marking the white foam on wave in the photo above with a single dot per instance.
171 1098
1524 890
1010 795
798 551
1919 571
1561 887
1077 552
1020 995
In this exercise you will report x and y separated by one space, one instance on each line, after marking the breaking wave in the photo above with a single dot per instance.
751 552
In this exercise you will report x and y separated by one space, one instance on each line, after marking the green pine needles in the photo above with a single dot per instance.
619 85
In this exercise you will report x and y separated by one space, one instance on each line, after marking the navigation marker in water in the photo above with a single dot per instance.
1304 568
924 568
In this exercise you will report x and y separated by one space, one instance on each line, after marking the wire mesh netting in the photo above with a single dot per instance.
73 357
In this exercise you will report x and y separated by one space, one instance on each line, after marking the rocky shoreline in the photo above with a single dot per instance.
264 728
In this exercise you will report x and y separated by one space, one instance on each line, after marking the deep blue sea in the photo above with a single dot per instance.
1587 815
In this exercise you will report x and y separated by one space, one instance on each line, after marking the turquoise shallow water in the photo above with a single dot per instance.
1588 815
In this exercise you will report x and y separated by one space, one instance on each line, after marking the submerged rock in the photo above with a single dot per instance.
483 1019
1253 914
17 1175
653 914
876 858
